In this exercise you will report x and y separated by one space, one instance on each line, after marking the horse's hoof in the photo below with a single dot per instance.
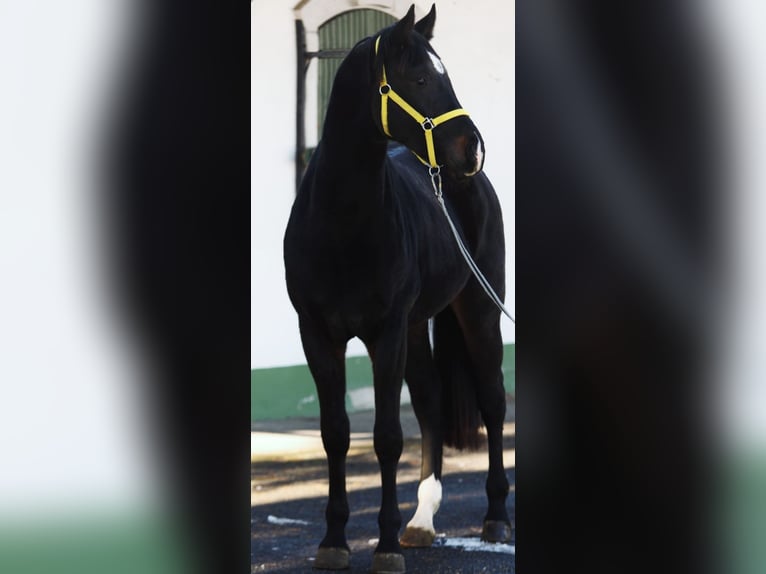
417 538
332 559
388 563
496 531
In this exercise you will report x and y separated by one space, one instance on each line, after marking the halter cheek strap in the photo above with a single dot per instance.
428 124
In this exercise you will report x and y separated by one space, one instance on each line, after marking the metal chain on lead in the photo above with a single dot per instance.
436 182
435 173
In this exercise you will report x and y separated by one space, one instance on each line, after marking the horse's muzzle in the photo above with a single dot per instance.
463 154
466 153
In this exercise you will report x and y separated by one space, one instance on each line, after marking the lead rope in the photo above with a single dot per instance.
436 181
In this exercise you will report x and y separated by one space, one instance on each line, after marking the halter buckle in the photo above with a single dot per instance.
427 124
384 89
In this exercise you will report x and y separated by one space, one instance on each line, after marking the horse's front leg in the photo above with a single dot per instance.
326 361
388 358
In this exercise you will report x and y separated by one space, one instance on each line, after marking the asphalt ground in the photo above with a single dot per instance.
289 490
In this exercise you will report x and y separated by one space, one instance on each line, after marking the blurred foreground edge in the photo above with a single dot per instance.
617 174
178 171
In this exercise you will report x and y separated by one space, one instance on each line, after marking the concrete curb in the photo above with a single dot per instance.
298 438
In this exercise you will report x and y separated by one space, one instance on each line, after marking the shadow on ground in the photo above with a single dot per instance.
296 490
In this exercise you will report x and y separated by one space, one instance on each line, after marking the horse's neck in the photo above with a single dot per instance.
351 171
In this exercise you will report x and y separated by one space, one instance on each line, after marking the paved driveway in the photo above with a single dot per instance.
289 489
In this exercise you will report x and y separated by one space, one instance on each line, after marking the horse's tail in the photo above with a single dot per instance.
461 419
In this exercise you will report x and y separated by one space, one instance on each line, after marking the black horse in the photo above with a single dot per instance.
369 254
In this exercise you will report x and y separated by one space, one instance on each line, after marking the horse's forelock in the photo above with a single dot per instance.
412 53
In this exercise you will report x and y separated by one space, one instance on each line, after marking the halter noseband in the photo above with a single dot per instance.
428 124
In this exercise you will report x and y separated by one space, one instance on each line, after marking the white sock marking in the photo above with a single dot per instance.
429 499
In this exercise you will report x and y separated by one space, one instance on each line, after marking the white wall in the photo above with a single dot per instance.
476 43
73 438
274 338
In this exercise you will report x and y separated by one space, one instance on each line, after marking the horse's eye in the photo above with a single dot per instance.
421 81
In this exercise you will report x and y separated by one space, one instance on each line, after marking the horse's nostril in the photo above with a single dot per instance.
474 154
473 144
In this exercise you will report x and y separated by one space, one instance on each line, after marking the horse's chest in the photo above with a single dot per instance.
355 310
354 290
363 291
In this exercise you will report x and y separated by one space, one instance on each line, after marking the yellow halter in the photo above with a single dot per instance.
428 124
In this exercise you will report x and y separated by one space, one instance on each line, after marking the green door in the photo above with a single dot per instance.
342 33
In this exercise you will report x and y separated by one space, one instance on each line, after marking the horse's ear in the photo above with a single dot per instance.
400 35
426 25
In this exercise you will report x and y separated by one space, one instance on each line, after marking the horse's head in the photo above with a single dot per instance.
414 102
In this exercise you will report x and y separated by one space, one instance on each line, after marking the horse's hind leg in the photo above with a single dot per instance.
388 354
422 380
481 330
327 363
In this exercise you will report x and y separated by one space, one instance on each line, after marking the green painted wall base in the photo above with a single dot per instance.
83 544
285 392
